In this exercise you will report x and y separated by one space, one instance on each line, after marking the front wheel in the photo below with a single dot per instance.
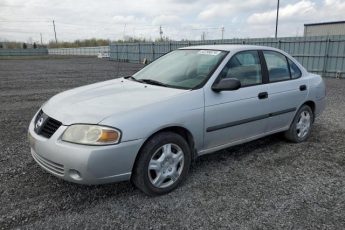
163 163
301 125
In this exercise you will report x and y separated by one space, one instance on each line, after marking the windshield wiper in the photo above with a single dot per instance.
147 81
132 78
152 82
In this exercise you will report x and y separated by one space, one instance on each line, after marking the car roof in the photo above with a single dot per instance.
230 47
241 47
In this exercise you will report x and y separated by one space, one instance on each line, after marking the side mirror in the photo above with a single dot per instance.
226 84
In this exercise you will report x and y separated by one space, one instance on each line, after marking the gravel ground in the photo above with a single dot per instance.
265 184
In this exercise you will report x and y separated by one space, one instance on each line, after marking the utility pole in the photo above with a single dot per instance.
41 39
203 36
124 32
54 31
222 29
161 32
277 20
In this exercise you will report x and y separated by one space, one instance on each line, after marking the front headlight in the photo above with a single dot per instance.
91 135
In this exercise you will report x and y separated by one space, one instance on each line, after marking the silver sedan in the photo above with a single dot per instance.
149 127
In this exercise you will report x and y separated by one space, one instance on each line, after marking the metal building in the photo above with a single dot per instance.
324 29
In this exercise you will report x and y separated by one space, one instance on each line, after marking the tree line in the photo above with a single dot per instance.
77 43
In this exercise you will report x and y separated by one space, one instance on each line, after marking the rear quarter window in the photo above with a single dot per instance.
294 70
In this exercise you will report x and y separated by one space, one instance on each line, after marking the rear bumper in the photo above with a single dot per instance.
320 106
81 163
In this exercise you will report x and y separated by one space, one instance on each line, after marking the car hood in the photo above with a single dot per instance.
93 103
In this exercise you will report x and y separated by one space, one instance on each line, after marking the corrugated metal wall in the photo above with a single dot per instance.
24 52
82 51
323 55
326 29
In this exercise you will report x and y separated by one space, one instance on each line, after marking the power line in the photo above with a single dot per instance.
80 31
20 32
205 28
24 21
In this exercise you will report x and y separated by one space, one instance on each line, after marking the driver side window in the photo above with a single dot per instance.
245 66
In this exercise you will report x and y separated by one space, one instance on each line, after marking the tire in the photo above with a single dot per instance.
163 163
300 127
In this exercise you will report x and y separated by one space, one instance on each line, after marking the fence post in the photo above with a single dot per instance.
326 56
127 60
169 46
153 51
139 52
117 52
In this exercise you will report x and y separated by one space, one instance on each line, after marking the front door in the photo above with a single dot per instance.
236 115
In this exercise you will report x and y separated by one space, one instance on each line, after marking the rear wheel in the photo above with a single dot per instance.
163 164
301 125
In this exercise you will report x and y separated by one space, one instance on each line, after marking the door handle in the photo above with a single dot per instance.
263 95
302 87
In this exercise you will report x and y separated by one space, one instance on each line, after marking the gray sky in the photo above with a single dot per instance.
24 20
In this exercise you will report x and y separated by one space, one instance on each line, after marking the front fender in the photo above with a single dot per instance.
186 111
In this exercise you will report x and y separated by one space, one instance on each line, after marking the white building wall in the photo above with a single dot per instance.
324 29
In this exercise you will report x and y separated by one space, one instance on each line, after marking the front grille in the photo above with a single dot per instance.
48 126
51 166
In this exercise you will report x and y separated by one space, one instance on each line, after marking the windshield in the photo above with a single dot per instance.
182 68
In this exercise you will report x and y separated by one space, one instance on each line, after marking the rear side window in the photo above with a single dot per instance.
277 65
245 66
294 70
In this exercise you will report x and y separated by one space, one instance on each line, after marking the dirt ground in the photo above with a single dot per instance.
264 184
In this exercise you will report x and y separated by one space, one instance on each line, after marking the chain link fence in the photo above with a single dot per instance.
24 52
82 51
323 55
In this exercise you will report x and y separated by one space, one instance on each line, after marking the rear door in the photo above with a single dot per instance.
287 90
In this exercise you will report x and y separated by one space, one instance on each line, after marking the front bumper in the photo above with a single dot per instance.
83 164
